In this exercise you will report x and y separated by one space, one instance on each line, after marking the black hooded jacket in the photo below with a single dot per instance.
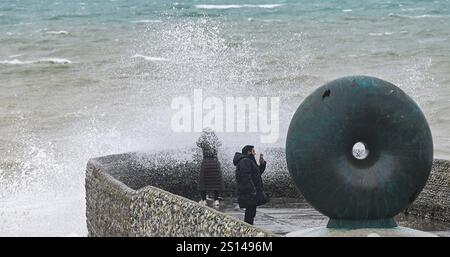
248 174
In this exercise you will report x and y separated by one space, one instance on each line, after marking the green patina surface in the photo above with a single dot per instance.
354 192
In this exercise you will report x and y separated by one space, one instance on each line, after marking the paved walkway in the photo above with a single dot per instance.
281 215
284 220
287 215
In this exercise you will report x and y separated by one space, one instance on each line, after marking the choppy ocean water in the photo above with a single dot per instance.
80 79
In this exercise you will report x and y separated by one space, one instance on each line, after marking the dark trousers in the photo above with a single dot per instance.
203 195
250 213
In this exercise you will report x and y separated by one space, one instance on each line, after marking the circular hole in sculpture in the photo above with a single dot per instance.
360 151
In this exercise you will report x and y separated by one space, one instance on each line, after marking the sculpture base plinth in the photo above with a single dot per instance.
361 232
356 224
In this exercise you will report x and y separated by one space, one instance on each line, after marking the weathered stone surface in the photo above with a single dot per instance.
159 213
114 208
141 194
107 203
434 201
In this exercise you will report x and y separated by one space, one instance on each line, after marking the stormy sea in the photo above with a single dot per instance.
86 78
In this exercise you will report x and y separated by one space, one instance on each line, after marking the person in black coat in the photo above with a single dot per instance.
210 179
249 182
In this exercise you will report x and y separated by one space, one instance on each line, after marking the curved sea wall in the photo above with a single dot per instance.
120 201
434 200
155 194
178 171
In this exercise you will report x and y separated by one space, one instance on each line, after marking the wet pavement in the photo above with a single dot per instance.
283 216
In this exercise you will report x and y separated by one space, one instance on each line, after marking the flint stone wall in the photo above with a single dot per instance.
434 200
142 194
178 171
128 208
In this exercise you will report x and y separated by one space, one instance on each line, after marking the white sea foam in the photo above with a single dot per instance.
73 235
150 58
55 61
42 60
272 20
236 6
412 9
379 34
61 32
427 16
147 21
423 16
347 10
15 62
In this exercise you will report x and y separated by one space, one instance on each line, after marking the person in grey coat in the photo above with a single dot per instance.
210 179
